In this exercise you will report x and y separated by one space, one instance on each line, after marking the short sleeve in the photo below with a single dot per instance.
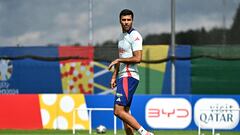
136 41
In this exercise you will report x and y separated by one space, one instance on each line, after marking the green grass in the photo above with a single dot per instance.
109 132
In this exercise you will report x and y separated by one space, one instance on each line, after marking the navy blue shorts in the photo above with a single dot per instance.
126 87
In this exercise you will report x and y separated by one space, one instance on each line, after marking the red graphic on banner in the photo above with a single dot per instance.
20 112
84 53
77 74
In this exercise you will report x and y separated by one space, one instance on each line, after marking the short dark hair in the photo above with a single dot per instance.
125 12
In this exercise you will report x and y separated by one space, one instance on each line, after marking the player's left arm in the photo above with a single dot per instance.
136 58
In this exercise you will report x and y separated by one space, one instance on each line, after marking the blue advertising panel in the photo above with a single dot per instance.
105 118
102 77
20 76
36 51
164 112
183 72
218 112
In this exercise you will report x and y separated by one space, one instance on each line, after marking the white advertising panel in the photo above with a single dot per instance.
168 113
218 113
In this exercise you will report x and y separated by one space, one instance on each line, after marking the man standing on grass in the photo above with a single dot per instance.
125 68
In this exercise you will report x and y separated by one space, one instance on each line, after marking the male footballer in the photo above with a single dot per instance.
125 76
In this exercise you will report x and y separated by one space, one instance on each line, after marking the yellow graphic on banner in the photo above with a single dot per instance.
155 52
57 111
77 77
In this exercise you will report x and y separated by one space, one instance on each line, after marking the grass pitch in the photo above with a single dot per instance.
109 132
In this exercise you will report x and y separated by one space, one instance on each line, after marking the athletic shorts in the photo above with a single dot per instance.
126 87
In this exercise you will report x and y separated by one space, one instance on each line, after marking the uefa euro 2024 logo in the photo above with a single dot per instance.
6 69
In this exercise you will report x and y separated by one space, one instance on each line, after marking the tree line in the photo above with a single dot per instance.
226 36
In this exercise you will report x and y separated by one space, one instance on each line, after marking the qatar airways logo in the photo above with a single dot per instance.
168 113
220 113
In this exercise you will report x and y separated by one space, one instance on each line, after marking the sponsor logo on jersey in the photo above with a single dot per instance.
136 39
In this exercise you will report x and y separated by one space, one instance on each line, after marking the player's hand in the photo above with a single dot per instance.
113 83
113 63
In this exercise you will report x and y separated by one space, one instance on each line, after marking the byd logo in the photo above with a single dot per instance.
168 113
174 112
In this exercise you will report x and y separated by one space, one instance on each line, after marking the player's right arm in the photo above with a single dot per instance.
113 82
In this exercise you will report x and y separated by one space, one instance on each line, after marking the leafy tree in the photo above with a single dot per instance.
233 34
195 37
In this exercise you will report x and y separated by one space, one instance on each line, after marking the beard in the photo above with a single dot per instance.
126 28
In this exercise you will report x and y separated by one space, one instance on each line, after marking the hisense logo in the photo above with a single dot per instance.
6 69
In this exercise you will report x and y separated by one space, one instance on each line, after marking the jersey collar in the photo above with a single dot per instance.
132 29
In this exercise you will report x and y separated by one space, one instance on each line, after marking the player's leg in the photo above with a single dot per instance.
125 90
127 118
130 121
128 129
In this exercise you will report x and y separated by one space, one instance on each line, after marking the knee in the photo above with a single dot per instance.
117 112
